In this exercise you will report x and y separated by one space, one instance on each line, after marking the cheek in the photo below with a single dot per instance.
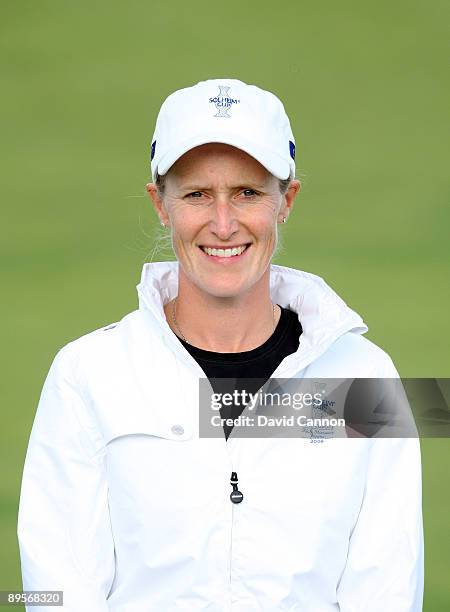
265 226
184 226
264 217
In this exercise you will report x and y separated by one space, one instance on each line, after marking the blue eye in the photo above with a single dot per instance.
194 194
249 192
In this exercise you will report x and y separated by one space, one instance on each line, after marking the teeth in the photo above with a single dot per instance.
225 252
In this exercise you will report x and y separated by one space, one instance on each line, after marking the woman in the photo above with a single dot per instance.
124 505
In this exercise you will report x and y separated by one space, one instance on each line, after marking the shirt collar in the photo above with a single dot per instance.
324 316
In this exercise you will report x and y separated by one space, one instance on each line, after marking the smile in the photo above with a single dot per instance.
229 252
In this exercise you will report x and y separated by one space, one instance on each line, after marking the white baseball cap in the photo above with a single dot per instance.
227 111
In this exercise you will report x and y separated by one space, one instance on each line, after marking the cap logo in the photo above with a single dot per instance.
223 102
292 149
152 153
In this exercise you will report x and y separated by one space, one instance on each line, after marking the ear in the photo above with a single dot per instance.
158 203
288 199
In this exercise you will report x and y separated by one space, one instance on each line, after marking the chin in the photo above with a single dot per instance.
224 290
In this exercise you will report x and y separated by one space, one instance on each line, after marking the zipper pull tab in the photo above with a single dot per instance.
236 496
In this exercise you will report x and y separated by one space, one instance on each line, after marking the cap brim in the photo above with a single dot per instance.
275 164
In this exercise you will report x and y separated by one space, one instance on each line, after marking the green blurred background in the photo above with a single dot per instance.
365 87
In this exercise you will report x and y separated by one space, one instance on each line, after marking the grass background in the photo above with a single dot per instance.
364 85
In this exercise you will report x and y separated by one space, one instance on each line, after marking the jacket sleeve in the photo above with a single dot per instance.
64 529
384 569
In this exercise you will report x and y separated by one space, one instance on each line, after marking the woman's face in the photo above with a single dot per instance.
222 207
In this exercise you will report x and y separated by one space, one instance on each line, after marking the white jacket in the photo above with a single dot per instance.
125 508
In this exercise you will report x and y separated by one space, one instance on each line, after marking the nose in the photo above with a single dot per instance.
224 222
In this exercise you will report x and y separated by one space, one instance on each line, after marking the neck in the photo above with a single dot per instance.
223 324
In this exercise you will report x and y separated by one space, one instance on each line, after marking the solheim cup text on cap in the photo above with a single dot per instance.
227 111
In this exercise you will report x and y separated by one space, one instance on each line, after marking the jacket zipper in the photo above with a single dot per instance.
236 497
231 558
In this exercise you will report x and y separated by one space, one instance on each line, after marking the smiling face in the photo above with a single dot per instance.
223 207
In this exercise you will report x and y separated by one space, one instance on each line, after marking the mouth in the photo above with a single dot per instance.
228 253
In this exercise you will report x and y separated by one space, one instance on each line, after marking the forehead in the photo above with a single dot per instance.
218 160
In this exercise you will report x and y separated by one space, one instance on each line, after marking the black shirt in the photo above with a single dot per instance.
248 369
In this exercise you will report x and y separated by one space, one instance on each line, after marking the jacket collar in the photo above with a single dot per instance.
323 314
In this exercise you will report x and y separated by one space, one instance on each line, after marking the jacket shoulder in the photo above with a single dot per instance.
101 335
97 345
354 355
